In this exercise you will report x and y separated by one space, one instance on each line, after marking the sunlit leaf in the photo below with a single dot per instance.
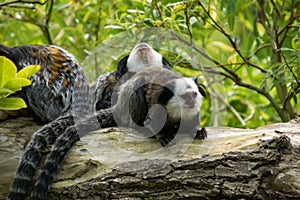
4 92
7 70
16 84
28 71
179 7
12 104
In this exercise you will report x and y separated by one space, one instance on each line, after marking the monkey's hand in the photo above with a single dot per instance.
201 134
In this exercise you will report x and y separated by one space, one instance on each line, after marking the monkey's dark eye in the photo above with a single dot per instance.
194 94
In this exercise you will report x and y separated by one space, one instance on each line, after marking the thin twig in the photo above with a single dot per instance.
293 92
235 78
49 13
286 28
276 8
45 27
252 111
157 8
260 48
231 108
231 73
22 1
187 21
232 42
290 68
29 7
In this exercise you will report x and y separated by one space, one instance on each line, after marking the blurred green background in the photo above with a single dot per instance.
246 52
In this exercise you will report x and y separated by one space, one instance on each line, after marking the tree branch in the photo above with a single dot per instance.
157 8
22 1
290 95
235 78
276 8
45 26
232 42
187 21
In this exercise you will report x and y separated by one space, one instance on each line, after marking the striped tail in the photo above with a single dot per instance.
62 146
32 156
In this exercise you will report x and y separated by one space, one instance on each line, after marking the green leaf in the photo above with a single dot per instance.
28 71
16 84
12 104
231 13
8 70
295 99
4 92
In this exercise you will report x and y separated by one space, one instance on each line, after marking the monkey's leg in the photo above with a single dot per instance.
32 155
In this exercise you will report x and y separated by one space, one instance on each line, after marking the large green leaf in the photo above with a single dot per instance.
12 104
16 84
7 70
28 71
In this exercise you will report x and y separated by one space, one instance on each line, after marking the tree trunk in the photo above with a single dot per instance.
115 163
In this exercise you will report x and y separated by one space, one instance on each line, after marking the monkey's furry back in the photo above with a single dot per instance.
52 90
51 98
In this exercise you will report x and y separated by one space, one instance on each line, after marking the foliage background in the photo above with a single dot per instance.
253 46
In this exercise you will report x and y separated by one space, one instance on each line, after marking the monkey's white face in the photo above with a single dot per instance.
142 56
186 101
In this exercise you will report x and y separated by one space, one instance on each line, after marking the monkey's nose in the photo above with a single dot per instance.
142 46
189 98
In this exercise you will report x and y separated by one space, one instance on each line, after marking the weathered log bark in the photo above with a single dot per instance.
263 163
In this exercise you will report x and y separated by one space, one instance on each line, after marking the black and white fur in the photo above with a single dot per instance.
147 93
141 56
50 97
155 100
179 98
158 101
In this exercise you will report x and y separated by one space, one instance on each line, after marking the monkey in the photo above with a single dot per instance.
141 56
159 93
154 100
49 98
52 93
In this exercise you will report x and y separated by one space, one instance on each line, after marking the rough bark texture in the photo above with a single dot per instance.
263 163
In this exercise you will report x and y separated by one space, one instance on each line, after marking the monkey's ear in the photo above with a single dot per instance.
201 87
122 66
166 93
166 64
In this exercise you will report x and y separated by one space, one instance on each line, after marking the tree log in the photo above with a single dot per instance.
115 163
